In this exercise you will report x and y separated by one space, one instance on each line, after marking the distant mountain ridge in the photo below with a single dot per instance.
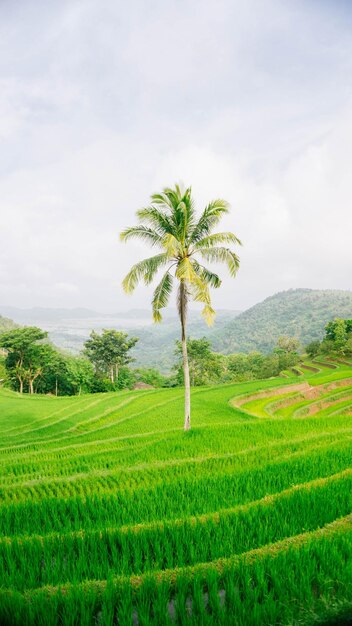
35 314
300 313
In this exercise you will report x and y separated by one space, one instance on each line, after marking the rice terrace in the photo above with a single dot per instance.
112 514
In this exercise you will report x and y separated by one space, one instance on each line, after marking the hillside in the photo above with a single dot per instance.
110 513
301 313
156 346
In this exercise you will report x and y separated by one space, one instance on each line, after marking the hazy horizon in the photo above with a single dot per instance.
193 308
100 106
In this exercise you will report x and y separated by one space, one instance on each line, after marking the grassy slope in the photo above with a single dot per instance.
248 515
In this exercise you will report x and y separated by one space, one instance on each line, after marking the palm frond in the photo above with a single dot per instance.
181 219
172 246
144 270
170 197
212 279
179 207
209 314
157 219
161 295
184 215
166 200
197 285
200 293
211 215
141 232
186 272
221 255
217 239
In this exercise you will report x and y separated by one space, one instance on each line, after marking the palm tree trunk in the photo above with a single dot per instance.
183 314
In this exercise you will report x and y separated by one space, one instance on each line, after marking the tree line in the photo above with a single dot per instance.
31 364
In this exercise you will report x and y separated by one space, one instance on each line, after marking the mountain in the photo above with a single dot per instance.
300 313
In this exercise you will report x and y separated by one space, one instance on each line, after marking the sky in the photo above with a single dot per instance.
104 102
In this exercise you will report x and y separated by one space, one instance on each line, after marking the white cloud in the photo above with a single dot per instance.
102 106
66 287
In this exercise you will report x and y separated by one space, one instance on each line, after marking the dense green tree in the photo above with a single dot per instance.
287 344
348 346
252 366
285 354
54 370
340 333
80 375
34 365
23 361
64 374
204 365
184 241
109 351
337 336
256 363
238 367
150 376
313 348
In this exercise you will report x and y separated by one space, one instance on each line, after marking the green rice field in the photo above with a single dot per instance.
111 514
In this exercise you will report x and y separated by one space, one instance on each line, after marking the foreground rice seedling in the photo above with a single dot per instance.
111 514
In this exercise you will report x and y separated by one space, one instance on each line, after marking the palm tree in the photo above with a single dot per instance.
170 224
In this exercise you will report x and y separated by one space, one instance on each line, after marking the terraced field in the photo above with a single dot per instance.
111 514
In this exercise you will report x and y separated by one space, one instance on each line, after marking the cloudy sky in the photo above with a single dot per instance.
103 102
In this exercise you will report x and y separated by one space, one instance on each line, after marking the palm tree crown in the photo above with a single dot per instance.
170 224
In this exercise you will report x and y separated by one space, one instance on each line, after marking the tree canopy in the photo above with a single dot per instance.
24 354
109 351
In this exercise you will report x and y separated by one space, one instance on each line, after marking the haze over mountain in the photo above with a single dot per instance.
301 313
69 328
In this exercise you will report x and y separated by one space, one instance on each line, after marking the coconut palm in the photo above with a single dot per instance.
170 224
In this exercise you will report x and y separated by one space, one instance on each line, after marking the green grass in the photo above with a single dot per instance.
111 514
